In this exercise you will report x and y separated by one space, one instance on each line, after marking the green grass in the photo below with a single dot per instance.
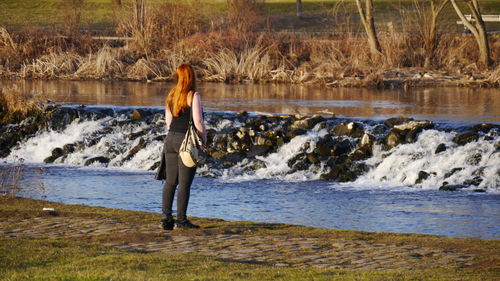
61 260
98 15
42 259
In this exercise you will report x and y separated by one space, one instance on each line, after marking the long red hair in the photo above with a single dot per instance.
176 100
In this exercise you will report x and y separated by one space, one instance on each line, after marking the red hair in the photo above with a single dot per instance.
177 98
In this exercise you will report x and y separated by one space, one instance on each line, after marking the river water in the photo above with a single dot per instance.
377 201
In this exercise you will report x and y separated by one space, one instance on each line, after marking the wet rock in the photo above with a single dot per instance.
465 138
380 130
440 148
217 154
258 150
422 175
299 162
453 171
154 166
412 135
484 127
474 159
306 123
294 133
69 148
141 133
341 148
393 139
262 140
479 190
474 181
100 159
345 172
412 125
324 146
497 146
361 153
138 147
312 158
232 159
452 187
60 117
56 153
137 114
351 129
254 165
242 113
391 122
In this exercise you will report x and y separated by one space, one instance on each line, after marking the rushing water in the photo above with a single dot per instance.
386 198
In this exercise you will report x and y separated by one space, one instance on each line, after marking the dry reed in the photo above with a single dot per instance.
105 63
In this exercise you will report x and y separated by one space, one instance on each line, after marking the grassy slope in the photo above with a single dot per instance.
98 14
76 260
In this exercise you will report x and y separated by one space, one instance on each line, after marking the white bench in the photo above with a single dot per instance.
486 18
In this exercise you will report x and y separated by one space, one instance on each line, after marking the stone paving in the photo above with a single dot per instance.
277 250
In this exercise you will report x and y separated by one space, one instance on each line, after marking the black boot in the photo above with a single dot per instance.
167 223
185 224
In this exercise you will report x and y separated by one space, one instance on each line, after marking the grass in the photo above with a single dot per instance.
98 14
42 259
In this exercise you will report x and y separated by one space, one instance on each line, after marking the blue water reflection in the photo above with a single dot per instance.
312 203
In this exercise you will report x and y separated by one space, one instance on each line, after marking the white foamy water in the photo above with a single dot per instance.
402 164
135 146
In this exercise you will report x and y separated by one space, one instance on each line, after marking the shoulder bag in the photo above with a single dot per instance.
192 152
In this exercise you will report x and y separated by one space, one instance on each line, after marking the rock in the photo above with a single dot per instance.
362 153
393 139
137 114
452 187
306 123
299 162
56 153
351 129
422 175
254 165
440 148
366 140
312 158
232 159
262 140
474 181
258 150
380 130
465 138
242 113
412 135
141 133
484 127
474 159
154 166
453 171
100 159
342 147
391 122
135 149
479 190
69 148
217 154
412 125
345 172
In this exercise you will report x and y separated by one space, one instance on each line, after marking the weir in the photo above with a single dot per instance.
245 146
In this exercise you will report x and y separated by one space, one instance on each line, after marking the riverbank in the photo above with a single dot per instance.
77 242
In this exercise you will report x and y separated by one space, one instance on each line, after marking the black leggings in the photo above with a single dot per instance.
177 174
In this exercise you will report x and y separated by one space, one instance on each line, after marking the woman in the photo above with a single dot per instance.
181 102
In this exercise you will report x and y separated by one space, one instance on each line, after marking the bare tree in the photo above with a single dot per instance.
368 22
429 27
478 29
299 8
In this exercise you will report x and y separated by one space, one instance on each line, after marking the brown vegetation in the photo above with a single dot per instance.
230 50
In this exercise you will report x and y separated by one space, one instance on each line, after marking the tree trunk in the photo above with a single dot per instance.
431 38
478 29
369 25
299 8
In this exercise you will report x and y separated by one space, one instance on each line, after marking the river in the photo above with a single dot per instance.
385 198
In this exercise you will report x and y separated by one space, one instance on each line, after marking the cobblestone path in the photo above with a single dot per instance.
277 250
